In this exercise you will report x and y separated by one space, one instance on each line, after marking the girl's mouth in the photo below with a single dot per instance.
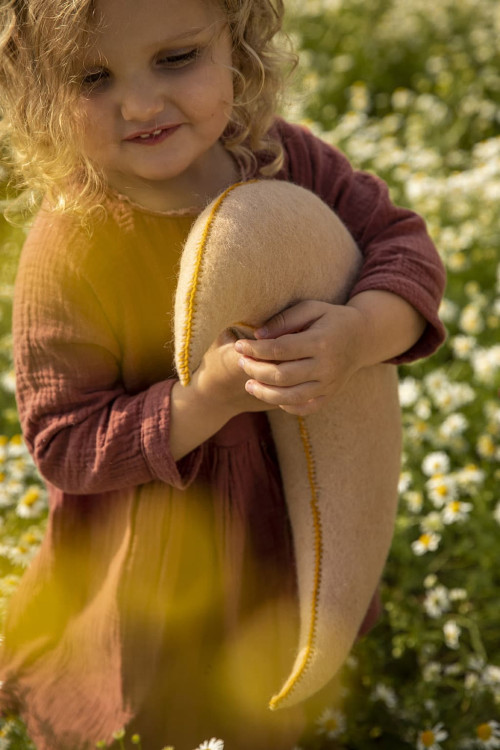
153 137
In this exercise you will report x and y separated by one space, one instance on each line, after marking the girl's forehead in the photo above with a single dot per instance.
154 12
142 21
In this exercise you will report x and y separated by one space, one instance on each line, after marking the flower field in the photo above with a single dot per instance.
410 91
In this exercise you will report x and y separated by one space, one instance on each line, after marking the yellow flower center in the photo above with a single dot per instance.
428 738
29 538
442 490
484 732
425 539
455 506
331 725
31 497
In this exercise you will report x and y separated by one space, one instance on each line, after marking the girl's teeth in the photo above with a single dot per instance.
144 136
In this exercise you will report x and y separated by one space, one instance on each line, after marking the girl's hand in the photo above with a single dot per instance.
303 356
220 381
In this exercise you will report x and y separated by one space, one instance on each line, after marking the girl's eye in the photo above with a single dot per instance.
179 59
94 79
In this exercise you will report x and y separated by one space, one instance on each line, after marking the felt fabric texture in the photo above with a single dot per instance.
258 248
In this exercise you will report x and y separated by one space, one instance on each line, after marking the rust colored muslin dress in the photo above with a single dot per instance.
163 597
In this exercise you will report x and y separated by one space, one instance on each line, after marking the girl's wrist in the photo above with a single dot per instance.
194 418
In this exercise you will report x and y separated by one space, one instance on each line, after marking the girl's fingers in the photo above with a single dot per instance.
283 375
294 396
293 319
286 348
302 410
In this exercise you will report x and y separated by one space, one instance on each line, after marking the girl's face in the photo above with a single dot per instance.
157 92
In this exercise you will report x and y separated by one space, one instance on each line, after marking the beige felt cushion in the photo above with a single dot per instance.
258 248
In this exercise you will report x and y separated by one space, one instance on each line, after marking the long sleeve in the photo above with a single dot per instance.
86 430
399 256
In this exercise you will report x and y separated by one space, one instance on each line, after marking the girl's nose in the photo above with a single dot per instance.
141 102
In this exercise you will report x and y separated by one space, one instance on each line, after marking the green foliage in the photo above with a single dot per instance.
445 50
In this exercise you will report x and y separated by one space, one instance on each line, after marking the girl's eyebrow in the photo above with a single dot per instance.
213 28
194 32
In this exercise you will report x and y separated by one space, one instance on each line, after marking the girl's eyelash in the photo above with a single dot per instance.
178 60
95 78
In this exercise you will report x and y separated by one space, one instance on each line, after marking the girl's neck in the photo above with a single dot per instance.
191 190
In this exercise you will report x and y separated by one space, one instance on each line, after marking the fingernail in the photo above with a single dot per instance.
249 387
239 347
241 363
262 332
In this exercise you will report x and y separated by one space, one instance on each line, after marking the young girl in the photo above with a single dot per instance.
163 597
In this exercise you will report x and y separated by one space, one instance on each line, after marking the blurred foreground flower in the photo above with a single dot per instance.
212 744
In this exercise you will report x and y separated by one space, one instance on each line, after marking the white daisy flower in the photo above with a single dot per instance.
458 595
430 739
16 447
486 363
431 671
32 504
430 580
491 676
448 311
331 723
453 426
10 491
441 489
488 735
432 522
8 381
469 476
463 346
471 681
471 319
415 500
456 511
213 744
423 408
486 447
452 632
436 463
428 542
386 695
404 481
437 601
409 391
454 396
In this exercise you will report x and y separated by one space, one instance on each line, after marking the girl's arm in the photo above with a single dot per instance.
398 255
87 431
308 352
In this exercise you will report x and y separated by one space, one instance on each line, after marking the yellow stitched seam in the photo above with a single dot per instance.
318 558
184 368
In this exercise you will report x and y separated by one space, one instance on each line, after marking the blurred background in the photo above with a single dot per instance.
410 91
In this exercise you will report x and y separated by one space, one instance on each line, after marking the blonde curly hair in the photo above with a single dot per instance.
40 129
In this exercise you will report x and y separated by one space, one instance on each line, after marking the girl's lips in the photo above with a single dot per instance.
152 137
